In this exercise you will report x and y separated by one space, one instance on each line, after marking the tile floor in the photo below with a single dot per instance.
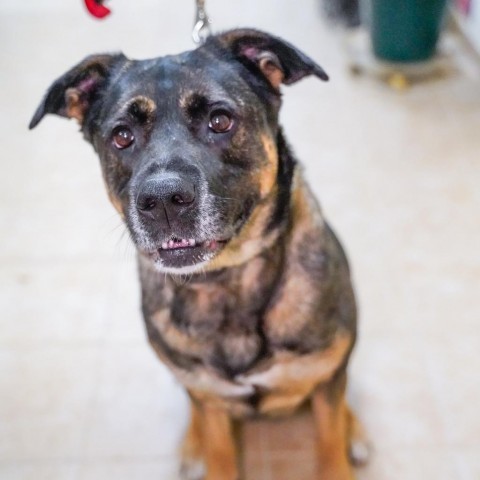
82 397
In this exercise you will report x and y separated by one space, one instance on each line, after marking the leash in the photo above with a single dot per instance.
201 26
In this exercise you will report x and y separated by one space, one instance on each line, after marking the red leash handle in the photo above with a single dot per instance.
96 8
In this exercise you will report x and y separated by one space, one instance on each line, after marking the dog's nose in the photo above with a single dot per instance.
168 195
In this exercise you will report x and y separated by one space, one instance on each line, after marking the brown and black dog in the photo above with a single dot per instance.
196 164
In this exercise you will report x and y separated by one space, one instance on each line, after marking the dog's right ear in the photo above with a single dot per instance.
72 94
272 57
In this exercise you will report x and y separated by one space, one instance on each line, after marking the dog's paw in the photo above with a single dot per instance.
192 469
360 448
359 452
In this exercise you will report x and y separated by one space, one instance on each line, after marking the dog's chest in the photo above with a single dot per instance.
222 353
214 324
221 324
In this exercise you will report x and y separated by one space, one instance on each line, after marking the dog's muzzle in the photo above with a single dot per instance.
171 221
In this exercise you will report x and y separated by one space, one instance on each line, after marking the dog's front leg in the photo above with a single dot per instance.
193 455
219 444
332 425
209 450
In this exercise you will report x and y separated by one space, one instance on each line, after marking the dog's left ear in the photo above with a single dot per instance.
277 60
73 93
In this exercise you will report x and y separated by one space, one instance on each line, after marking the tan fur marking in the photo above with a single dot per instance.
292 378
331 421
294 308
117 204
146 105
268 174
185 98
305 209
251 278
297 304
250 241
271 70
75 106
174 337
219 443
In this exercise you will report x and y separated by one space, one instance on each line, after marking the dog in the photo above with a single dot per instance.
196 164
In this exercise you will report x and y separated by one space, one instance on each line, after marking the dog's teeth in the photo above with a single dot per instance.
178 243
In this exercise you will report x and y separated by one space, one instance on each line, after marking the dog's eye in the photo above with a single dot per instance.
122 137
220 122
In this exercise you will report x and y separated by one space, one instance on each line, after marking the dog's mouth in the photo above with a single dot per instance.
182 254
191 243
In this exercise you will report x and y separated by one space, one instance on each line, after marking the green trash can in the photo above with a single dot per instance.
406 30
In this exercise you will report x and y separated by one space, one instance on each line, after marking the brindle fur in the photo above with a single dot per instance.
270 321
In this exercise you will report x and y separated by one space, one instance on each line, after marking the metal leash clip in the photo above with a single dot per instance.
201 29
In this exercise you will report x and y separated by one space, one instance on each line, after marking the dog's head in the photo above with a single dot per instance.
189 144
